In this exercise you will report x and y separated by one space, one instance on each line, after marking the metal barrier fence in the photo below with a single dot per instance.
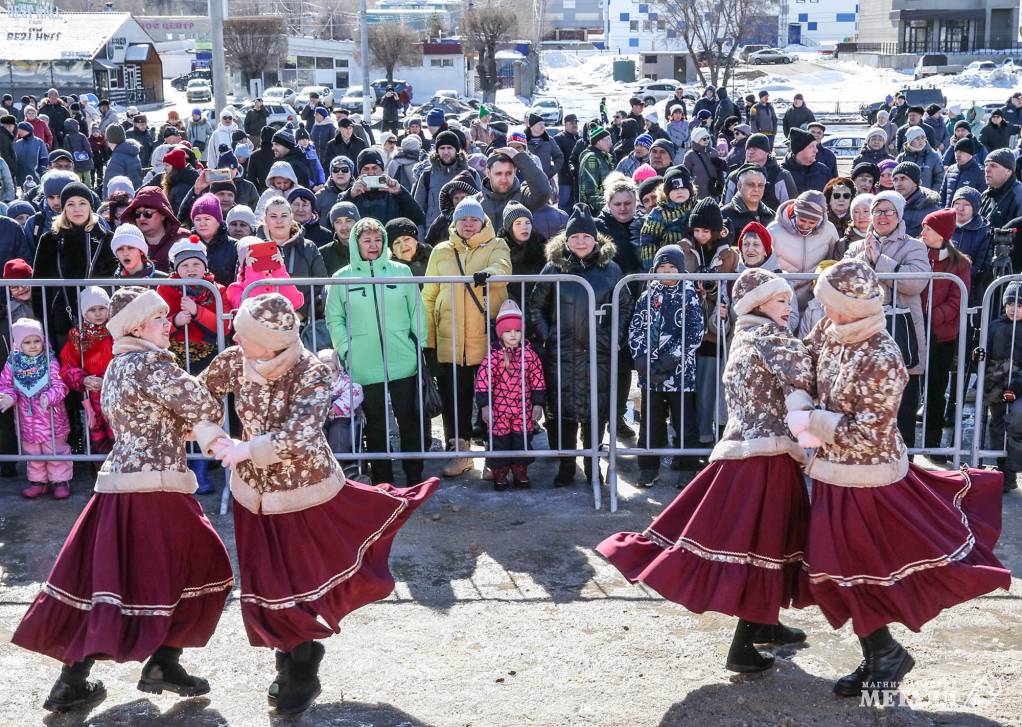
318 289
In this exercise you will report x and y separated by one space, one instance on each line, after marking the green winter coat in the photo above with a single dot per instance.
355 320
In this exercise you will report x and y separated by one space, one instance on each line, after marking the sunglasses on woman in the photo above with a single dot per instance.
145 214
841 195
341 170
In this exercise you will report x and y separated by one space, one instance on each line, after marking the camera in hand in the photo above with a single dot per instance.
376 181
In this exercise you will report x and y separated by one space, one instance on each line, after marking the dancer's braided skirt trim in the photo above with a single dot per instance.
903 552
731 541
302 572
138 571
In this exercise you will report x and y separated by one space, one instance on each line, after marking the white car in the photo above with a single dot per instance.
657 90
301 99
770 55
198 89
981 66
845 145
278 95
548 109
352 100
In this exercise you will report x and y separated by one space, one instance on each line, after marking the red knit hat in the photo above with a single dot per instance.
761 232
943 222
175 158
17 269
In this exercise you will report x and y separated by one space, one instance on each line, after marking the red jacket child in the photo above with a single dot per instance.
193 308
86 355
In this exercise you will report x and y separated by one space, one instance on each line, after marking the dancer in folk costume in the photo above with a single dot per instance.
143 574
312 546
888 541
732 541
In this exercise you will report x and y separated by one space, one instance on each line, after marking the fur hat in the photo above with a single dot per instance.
269 320
188 248
580 222
127 235
509 317
131 306
17 269
755 228
852 286
23 328
91 296
942 222
754 287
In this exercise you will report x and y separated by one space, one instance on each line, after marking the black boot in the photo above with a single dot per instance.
565 473
1010 480
850 685
73 689
281 658
743 657
777 633
164 672
889 661
300 686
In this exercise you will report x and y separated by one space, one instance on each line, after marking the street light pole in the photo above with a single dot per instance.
219 72
367 109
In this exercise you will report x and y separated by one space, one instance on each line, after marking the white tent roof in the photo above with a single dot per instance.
67 36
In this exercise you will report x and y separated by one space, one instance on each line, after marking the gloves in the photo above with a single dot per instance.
480 277
429 356
807 440
1008 395
797 421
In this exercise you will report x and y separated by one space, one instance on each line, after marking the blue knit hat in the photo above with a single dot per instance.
644 140
304 193
322 111
970 195
227 160
436 118
468 207
20 207
55 180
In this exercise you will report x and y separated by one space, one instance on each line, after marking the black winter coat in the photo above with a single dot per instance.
567 143
627 256
815 176
799 117
222 256
384 206
258 167
527 258
570 394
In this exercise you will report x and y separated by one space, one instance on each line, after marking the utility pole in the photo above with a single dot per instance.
363 31
219 72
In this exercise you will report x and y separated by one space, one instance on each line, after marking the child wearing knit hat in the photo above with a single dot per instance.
664 334
31 381
510 367
84 361
132 252
667 224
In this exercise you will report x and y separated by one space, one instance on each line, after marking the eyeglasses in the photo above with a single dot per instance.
841 195
341 170
884 213
145 214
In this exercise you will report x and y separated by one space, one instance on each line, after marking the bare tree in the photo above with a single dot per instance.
485 25
392 45
712 31
251 44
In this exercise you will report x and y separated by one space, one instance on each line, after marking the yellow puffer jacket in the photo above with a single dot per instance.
484 252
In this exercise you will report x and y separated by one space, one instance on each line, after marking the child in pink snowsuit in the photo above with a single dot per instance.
499 383
247 275
31 379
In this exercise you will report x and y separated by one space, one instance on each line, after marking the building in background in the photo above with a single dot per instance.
108 54
417 14
634 27
816 22
948 26
574 19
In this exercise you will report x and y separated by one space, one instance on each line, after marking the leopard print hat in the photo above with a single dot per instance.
754 287
851 286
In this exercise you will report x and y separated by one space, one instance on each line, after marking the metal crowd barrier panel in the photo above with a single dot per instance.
722 281
999 415
380 287
57 340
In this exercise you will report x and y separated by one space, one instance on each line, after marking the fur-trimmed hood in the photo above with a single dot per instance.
558 255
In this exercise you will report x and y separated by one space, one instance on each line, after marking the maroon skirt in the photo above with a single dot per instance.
138 571
731 542
904 552
302 572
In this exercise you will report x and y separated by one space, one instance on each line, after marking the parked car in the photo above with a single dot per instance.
548 109
913 96
279 95
181 82
379 87
934 64
746 50
326 97
352 100
844 145
198 89
770 55
981 67
445 93
280 114
652 91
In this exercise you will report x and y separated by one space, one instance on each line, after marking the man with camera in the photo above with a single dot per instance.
378 196
1002 201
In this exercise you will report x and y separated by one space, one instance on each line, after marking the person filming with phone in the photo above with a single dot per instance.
378 196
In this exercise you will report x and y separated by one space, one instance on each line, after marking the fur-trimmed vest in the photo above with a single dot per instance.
768 374
292 467
859 381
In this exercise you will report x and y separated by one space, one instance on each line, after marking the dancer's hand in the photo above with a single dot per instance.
222 446
797 421
93 383
239 452
808 440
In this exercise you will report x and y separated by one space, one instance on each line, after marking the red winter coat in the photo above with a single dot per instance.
42 131
947 296
74 367
506 415
202 329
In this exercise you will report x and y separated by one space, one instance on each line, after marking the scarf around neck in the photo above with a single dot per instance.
857 331
263 371
31 373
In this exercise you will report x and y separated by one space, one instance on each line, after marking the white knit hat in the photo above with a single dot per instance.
23 328
130 236
92 296
187 248
700 133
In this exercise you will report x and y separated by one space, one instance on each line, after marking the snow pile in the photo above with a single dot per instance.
1002 77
